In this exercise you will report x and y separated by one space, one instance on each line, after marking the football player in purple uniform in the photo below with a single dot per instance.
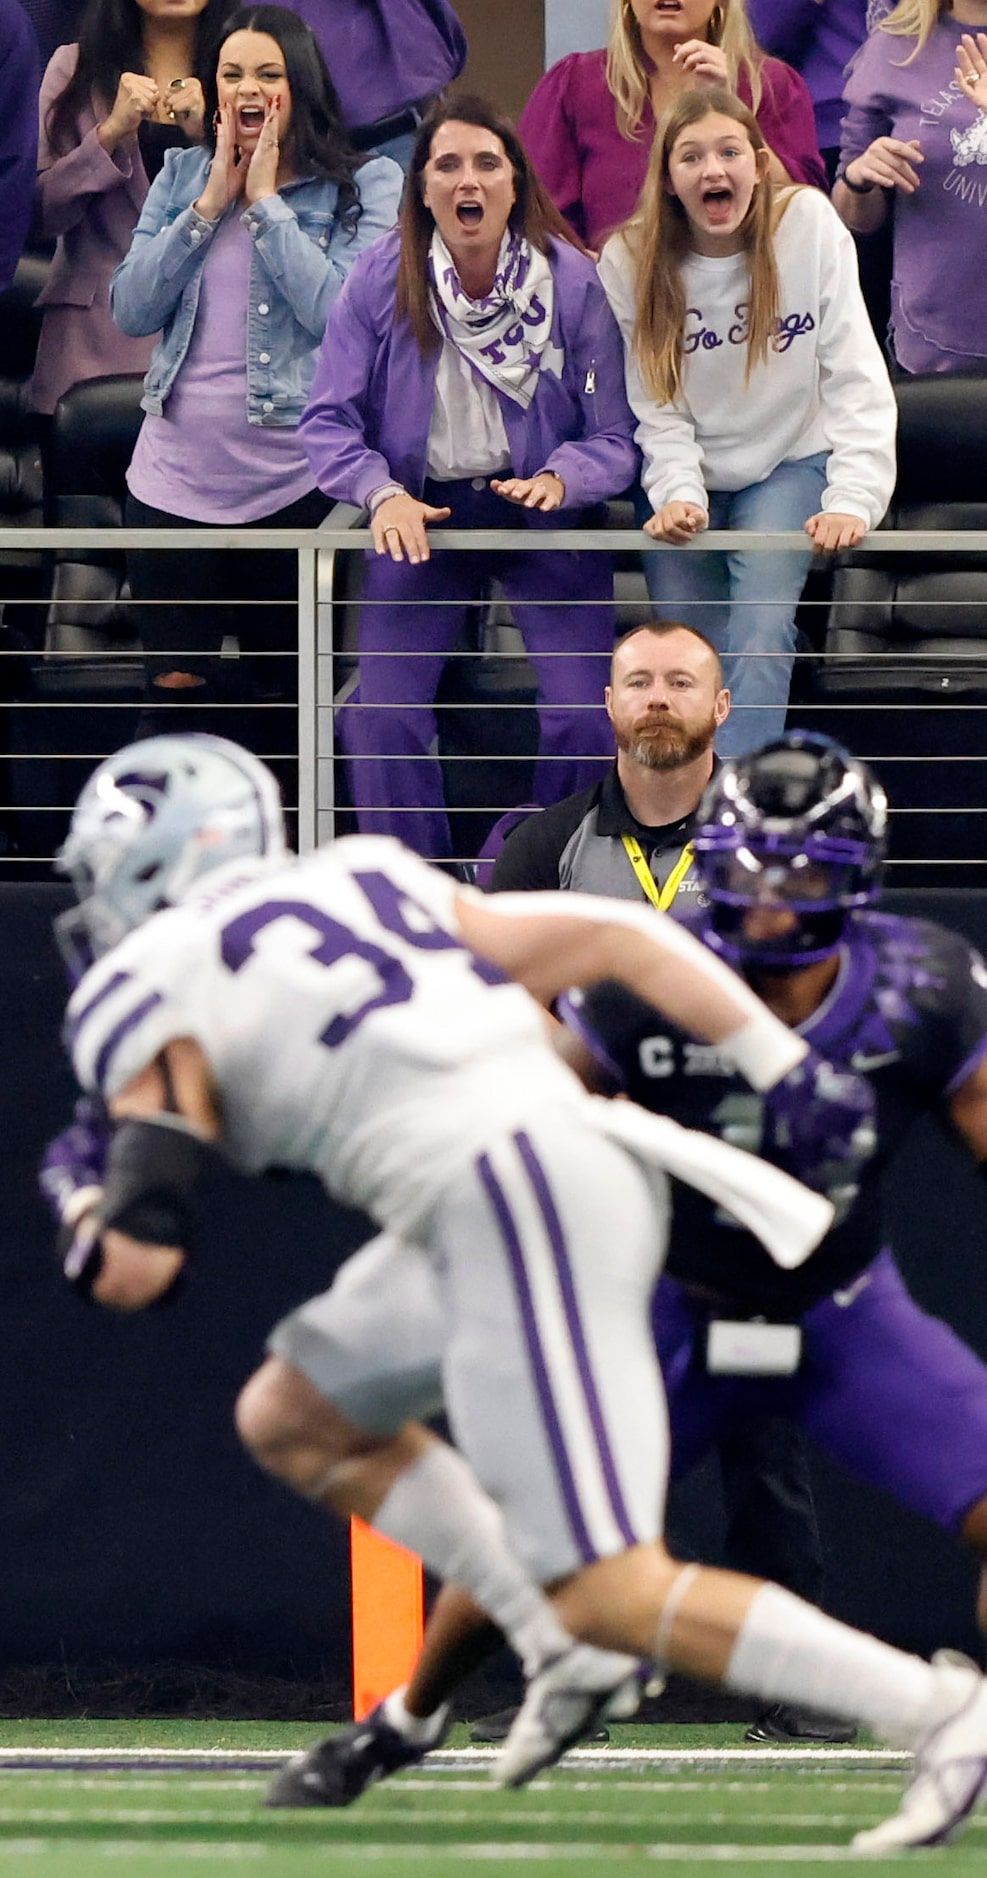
790 849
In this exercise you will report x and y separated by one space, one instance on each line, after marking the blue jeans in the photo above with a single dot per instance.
745 602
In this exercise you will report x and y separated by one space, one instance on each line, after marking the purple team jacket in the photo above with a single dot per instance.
385 54
368 418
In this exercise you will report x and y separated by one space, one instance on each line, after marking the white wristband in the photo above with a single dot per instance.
764 1050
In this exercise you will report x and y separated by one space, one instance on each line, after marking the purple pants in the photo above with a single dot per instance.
892 1393
411 618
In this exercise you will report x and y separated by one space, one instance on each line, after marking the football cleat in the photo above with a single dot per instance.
563 1703
948 1779
336 1771
786 1722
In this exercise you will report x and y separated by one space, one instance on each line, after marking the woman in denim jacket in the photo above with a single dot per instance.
239 253
472 372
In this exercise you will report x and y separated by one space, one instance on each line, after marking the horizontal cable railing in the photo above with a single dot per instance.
63 713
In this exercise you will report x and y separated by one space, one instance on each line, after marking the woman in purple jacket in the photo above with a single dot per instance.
590 122
471 372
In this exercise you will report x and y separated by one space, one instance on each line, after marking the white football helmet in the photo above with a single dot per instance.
150 822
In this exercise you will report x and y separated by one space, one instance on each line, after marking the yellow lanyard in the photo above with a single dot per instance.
662 898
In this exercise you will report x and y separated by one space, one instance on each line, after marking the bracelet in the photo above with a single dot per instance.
384 494
857 189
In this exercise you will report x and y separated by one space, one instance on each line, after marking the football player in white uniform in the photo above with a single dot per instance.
357 1014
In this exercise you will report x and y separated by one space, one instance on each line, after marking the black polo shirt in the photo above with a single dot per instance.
578 844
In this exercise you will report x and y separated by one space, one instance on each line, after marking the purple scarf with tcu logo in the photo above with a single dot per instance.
504 336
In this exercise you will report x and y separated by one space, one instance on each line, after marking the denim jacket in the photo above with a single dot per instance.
302 254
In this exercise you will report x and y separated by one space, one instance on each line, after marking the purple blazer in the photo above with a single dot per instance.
368 418
89 202
595 176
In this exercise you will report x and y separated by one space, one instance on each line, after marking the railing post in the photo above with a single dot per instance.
308 700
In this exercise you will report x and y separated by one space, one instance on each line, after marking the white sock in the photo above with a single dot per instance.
420 1731
438 1509
787 1651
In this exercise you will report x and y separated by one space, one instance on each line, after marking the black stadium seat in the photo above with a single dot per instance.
903 672
915 626
92 438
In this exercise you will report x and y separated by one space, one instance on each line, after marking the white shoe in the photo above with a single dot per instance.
949 1778
572 1693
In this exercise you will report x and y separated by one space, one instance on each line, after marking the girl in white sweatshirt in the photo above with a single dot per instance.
762 398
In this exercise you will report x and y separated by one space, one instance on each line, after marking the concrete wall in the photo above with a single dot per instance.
574 26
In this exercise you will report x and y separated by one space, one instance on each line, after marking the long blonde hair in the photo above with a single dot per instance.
658 238
627 72
914 19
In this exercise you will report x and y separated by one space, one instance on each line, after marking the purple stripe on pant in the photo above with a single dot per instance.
512 1242
549 1213
577 1339
890 1392
412 618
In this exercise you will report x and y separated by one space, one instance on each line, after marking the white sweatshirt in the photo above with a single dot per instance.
824 387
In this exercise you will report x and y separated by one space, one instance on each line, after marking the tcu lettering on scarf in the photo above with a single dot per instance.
505 333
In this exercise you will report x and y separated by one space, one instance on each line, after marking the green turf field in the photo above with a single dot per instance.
163 1799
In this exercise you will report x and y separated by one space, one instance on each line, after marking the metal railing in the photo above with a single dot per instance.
323 615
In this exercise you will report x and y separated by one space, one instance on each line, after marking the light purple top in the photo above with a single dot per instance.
385 54
201 459
819 40
938 297
595 176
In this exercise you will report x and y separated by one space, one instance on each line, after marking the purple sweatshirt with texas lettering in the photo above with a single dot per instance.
938 301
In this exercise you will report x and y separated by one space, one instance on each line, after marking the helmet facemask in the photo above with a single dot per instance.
149 823
797 828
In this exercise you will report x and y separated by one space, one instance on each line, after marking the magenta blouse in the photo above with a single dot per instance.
594 175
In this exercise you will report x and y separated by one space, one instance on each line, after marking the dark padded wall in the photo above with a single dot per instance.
132 1527
134 1531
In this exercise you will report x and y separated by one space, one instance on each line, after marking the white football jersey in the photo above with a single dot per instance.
349 1030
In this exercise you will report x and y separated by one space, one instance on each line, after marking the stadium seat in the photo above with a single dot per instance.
20 449
92 439
903 674
914 627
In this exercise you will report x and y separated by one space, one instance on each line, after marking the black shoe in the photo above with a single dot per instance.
498 1727
785 1723
336 1771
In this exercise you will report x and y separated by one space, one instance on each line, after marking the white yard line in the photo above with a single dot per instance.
26 1758
496 1853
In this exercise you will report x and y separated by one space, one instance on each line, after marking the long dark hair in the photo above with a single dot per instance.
110 43
319 142
533 213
